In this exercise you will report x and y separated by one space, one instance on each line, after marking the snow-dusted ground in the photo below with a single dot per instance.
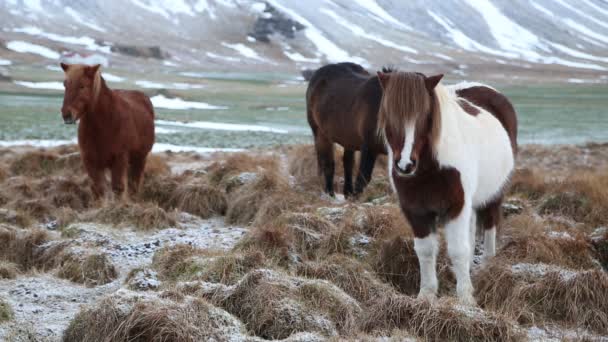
162 101
45 304
221 126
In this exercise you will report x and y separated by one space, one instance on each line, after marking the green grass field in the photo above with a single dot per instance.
563 114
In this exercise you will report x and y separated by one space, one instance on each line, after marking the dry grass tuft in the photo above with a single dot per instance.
156 166
160 190
600 245
89 269
274 305
307 235
20 246
580 299
440 321
118 319
245 202
351 276
37 209
236 163
380 222
230 268
143 216
66 192
3 173
6 313
8 270
535 293
35 164
278 203
396 262
200 199
527 241
15 218
302 161
176 262
528 183
582 196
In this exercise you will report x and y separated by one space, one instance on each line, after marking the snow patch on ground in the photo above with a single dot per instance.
509 35
359 31
175 85
5 62
25 47
161 101
162 147
332 52
40 85
540 270
78 18
222 126
244 51
378 12
36 143
88 42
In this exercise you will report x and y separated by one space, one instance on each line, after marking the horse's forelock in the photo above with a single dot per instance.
405 97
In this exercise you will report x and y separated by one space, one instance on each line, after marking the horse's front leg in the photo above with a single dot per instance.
426 245
366 168
119 175
457 233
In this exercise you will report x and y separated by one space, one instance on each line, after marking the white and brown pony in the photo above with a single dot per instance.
451 153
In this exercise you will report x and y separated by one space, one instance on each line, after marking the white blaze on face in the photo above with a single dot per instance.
408 144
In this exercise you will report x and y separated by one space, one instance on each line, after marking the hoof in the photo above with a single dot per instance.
427 295
467 300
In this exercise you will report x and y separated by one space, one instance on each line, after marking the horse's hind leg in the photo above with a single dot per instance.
325 159
490 218
348 160
366 167
119 175
137 164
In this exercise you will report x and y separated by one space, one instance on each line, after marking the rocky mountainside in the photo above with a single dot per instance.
499 37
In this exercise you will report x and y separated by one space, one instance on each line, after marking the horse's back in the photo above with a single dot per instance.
494 102
339 99
138 109
488 126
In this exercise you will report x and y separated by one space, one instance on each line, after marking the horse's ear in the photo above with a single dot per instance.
92 70
383 78
65 67
432 82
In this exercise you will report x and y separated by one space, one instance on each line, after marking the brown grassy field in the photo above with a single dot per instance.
297 265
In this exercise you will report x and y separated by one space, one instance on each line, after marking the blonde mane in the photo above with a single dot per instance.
406 96
78 71
97 82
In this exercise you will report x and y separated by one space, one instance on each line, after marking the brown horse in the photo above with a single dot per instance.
342 102
116 129
450 160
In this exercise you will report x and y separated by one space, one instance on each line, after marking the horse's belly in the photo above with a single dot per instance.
495 163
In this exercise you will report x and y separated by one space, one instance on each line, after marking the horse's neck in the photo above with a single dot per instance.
102 110
455 133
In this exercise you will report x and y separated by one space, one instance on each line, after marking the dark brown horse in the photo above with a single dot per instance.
342 103
116 129
450 160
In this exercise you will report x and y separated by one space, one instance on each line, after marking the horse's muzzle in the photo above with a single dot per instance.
408 171
69 120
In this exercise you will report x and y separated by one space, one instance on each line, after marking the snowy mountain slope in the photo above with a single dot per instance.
553 35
